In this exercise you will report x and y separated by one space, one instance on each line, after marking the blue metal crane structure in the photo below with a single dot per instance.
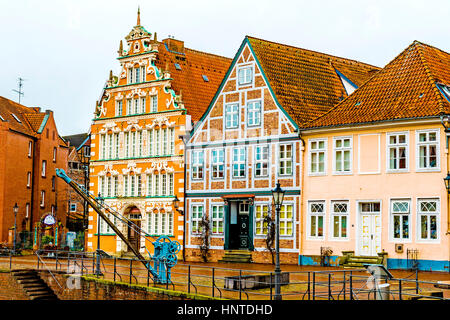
164 256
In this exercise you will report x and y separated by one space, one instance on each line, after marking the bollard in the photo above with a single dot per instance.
131 269
115 269
213 282
400 289
309 286
189 278
351 286
344 285
314 286
329 286
271 286
240 284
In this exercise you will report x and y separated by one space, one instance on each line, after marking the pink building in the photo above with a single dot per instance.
374 168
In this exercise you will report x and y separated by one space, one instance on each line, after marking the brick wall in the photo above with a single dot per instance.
10 289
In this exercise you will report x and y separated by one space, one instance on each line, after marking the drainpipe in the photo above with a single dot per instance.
33 183
302 183
445 120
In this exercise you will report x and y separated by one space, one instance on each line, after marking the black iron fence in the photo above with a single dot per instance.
229 283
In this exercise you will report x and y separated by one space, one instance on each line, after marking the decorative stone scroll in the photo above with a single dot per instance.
160 121
108 169
131 167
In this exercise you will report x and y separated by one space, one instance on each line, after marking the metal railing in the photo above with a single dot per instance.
229 283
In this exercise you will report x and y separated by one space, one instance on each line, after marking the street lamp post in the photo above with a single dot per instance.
98 272
15 209
185 139
278 195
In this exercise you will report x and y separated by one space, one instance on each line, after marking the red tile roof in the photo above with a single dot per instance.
405 88
305 82
196 92
8 108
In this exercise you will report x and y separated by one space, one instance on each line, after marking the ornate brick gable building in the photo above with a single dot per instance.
248 140
30 151
137 157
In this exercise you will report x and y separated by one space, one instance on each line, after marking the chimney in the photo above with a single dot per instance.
174 44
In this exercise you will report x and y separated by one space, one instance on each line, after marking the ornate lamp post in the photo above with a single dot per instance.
15 209
447 182
278 195
98 272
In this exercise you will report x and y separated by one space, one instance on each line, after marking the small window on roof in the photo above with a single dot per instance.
177 66
15 117
1 118
446 90
205 78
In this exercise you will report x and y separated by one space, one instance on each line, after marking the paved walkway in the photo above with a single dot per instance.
209 278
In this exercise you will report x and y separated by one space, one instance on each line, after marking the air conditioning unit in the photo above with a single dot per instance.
399 247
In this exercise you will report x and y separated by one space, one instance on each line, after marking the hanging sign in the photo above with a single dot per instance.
49 220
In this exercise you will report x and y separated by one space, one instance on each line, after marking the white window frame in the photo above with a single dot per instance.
260 226
419 144
264 162
397 145
216 222
239 162
42 204
30 148
247 75
310 215
198 165
419 213
392 214
73 207
256 113
286 160
342 151
317 151
196 221
44 168
217 162
119 108
154 103
234 114
333 214
28 179
286 220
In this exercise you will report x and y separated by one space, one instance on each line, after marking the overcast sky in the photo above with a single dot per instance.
65 49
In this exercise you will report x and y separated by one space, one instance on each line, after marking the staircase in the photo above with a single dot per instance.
33 285
237 256
360 261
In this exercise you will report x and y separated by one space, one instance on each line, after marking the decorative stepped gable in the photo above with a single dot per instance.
408 87
192 76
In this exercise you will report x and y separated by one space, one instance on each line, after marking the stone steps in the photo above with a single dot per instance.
360 261
33 285
237 256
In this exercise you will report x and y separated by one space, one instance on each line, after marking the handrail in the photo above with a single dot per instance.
48 269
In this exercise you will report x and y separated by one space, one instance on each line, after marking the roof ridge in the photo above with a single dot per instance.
350 96
208 53
418 46
314 51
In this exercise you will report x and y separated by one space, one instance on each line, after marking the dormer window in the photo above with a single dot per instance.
15 117
205 78
177 66
245 75
1 118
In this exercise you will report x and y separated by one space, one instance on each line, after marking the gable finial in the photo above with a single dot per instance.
139 17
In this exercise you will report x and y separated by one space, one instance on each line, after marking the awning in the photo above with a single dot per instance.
237 196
